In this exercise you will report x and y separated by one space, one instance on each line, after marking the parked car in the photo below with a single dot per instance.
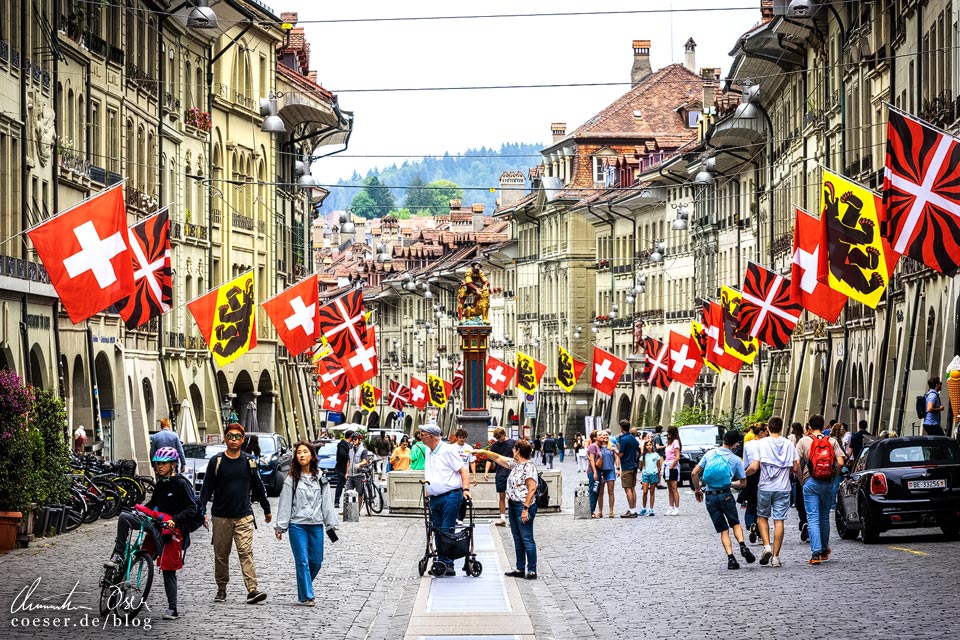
696 440
196 457
901 483
327 460
275 459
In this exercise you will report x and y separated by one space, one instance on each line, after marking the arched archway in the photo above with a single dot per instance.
357 417
196 399
37 367
747 399
623 408
148 406
373 421
642 411
82 411
243 390
222 387
107 406
6 359
265 402
408 424
391 420
658 410
688 398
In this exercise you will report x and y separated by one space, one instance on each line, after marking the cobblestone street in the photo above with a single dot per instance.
655 577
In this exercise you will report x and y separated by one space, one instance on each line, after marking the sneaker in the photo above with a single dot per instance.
765 556
732 563
500 523
642 512
804 533
532 575
825 555
776 562
256 596
815 558
450 571
747 554
650 512
753 535
221 595
629 514
309 603
113 562
170 614
515 574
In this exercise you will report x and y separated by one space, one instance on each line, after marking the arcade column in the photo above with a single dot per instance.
475 418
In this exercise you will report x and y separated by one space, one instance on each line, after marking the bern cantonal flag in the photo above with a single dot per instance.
362 363
438 390
226 317
368 397
419 394
399 396
334 402
858 260
569 370
769 311
656 368
813 295
685 360
149 243
607 371
85 253
736 341
332 376
498 375
713 325
529 373
920 216
343 323
293 313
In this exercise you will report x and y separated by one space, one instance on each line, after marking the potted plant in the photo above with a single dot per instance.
17 450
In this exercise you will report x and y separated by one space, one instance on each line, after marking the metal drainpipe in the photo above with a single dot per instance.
95 391
911 347
824 386
24 184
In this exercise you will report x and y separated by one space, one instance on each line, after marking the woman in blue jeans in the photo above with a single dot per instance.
522 506
305 509
594 471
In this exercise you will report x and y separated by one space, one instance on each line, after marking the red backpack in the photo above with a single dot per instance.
822 461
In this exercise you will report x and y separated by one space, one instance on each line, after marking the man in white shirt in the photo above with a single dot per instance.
448 484
777 458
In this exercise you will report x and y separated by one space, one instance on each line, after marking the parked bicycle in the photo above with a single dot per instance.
372 494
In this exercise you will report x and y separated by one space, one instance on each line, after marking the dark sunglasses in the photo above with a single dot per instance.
233 436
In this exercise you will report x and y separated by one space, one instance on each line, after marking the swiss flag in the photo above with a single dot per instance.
399 395
813 295
685 360
607 370
294 315
499 374
334 402
86 255
657 364
713 327
362 363
419 396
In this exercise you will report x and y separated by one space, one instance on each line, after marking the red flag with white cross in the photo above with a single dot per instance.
334 402
362 363
85 252
813 295
607 371
656 369
713 327
685 359
419 395
499 374
293 313
399 395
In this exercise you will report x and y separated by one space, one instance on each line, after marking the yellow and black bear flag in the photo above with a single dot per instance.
226 318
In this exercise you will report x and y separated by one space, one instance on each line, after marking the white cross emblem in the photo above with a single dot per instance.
95 254
364 356
331 374
496 375
334 401
713 332
922 193
658 363
766 306
397 396
302 316
603 370
680 359
808 263
148 271
349 324
417 394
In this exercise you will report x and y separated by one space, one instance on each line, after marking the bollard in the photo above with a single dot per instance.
351 508
581 501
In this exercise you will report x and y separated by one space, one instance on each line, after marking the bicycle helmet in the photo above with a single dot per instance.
166 454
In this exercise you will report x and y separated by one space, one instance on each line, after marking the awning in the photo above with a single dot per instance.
762 53
311 119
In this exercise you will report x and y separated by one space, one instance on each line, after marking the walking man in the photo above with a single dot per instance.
820 457
358 457
343 458
629 448
722 470
777 459
502 446
382 450
230 480
448 484
549 450
856 441
166 437
561 446
748 497
931 421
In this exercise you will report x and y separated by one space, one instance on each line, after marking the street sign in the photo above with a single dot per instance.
400 415
530 406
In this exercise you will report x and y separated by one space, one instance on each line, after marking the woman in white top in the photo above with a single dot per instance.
522 506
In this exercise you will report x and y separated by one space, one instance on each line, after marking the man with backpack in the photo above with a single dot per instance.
820 457
343 458
718 471
933 407
231 478
776 459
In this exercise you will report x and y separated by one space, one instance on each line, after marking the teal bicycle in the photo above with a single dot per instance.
125 585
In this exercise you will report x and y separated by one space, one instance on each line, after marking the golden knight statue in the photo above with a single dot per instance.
475 286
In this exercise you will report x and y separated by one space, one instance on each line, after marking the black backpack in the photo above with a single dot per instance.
543 492
197 520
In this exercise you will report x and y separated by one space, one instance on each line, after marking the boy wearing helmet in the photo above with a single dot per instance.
174 500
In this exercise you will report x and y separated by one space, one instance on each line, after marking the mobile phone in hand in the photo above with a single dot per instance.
332 535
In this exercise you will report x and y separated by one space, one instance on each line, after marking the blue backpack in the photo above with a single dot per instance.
716 471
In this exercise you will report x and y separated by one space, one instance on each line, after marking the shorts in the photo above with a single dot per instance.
355 483
628 479
650 478
673 475
775 502
609 475
722 509
501 481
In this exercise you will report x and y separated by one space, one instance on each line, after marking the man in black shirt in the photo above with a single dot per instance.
343 457
549 449
230 478
504 447
856 442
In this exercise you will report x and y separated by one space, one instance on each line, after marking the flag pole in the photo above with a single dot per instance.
907 114
74 206
239 275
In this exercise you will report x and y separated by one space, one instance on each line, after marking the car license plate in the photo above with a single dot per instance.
926 484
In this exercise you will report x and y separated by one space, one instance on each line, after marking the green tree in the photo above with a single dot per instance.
691 415
364 206
439 194
764 410
374 200
417 198
401 214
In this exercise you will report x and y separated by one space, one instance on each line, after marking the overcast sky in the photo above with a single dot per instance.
492 51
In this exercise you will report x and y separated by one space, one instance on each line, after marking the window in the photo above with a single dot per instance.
692 117
95 149
113 142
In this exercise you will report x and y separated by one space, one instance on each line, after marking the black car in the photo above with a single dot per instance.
901 483
696 440
275 459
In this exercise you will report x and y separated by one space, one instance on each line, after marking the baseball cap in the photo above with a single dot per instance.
432 429
234 426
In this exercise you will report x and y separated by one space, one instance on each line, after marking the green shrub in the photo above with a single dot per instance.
49 417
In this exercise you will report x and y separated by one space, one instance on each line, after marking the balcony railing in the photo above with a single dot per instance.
115 55
196 231
140 200
24 270
242 222
73 162
216 217
4 51
96 44
176 340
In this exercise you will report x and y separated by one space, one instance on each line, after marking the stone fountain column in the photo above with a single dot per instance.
475 418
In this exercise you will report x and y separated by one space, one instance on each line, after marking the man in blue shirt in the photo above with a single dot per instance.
629 448
721 505
166 437
931 421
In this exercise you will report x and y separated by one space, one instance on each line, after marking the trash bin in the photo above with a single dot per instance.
581 501
351 507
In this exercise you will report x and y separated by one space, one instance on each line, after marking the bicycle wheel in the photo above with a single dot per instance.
76 510
107 590
368 496
375 497
111 505
131 492
137 586
148 486
94 507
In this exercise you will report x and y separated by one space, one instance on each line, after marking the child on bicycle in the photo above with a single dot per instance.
173 498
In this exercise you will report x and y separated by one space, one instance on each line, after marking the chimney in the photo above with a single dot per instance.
455 205
766 11
289 16
511 188
641 62
709 77
312 77
559 131
690 48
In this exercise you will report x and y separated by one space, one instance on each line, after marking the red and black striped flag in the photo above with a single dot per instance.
152 275
921 193
769 311
343 323
656 368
